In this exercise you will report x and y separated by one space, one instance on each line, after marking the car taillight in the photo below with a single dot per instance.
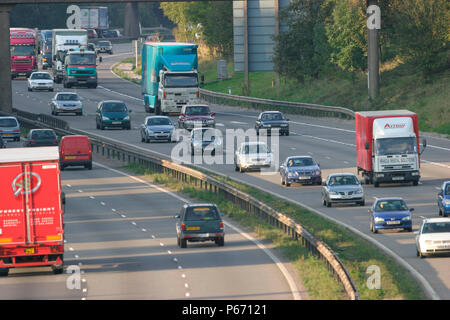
198 94
221 224
32 141
183 226
165 95
16 130
54 249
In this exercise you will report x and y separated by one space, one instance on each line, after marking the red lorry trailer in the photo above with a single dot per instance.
23 44
31 212
387 146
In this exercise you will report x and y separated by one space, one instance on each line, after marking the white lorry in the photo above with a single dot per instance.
64 40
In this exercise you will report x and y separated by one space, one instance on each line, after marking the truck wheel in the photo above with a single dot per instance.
376 184
58 269
158 107
4 272
328 203
415 182
183 243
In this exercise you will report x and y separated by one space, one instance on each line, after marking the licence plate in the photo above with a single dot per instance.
304 178
71 157
398 178
392 222
192 228
116 122
443 247
29 250
7 135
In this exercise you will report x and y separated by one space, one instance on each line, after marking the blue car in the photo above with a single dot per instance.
390 213
10 128
444 199
157 128
113 113
300 169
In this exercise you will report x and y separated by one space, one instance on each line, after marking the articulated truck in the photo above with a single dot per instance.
23 44
387 146
31 209
169 76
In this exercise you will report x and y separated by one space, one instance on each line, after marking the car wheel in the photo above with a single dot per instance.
421 255
147 140
374 230
376 184
236 168
241 169
440 212
178 241
79 113
286 182
329 204
362 203
142 138
58 269
409 229
282 181
102 127
220 242
415 183
128 127
183 243
287 133
51 90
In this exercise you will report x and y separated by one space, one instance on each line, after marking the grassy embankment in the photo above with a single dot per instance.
356 253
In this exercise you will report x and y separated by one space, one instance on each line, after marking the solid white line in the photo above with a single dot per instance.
279 264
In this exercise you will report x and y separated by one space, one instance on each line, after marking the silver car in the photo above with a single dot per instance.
157 128
10 128
66 102
40 81
342 188
104 47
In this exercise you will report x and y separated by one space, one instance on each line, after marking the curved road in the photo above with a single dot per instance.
330 141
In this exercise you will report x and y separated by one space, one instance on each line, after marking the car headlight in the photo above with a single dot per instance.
189 122
105 118
210 121
149 131
380 175
334 193
428 241
407 218
378 219
93 77
284 125
358 192
447 202
317 172
126 118
292 174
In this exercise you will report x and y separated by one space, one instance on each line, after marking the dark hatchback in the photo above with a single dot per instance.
199 223
41 138
271 121
113 114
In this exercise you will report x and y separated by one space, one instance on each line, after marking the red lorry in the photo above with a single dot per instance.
31 209
23 44
387 146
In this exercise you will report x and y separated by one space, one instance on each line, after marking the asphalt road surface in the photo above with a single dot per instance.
331 142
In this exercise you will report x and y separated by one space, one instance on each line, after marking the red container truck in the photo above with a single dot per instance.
23 44
387 146
31 211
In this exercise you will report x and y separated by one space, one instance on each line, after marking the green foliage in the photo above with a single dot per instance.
301 51
208 22
346 35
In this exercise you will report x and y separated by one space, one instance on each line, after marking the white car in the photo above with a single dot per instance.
40 81
252 155
433 237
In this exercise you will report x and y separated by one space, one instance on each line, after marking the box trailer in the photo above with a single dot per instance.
31 210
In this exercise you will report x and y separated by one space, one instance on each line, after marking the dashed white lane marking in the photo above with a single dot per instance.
169 252
238 122
77 256
113 210
71 249
144 230
84 290
69 185
153 237
80 191
102 203
175 259
180 267
91 197
80 264
133 223
437 188
183 275
346 162
123 216
328 157
188 294
186 285
161 244
220 125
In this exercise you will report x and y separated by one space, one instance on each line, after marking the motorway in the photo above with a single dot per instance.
120 237
330 141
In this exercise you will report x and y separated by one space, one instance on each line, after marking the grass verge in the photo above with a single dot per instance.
355 253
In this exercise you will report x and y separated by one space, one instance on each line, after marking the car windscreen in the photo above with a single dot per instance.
43 134
200 110
300 162
103 43
391 205
40 76
391 146
206 134
447 190
67 97
180 80
255 148
436 227
81 58
343 180
201 213
272 116
114 107
8 123
158 122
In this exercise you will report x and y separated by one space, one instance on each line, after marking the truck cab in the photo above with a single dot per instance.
23 51
80 68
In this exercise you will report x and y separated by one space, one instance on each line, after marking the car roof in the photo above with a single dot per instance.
436 220
274 111
199 205
109 101
388 198
342 174
41 72
42 130
196 105
66 92
75 137
252 143
8 117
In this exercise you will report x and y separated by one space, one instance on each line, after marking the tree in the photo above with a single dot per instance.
346 34
302 49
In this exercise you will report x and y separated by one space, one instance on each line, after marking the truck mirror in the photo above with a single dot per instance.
100 59
366 145
424 142
213 114
324 183
54 57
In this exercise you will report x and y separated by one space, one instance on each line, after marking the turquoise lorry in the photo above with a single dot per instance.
80 68
169 76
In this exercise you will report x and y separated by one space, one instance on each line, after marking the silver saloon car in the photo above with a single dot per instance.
66 102
342 188
157 128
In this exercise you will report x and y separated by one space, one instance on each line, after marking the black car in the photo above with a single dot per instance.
272 120
41 138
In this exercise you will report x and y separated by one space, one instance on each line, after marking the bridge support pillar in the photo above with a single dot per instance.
131 20
5 62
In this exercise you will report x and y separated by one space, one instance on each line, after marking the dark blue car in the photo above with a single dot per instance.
300 169
272 121
390 213
444 199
